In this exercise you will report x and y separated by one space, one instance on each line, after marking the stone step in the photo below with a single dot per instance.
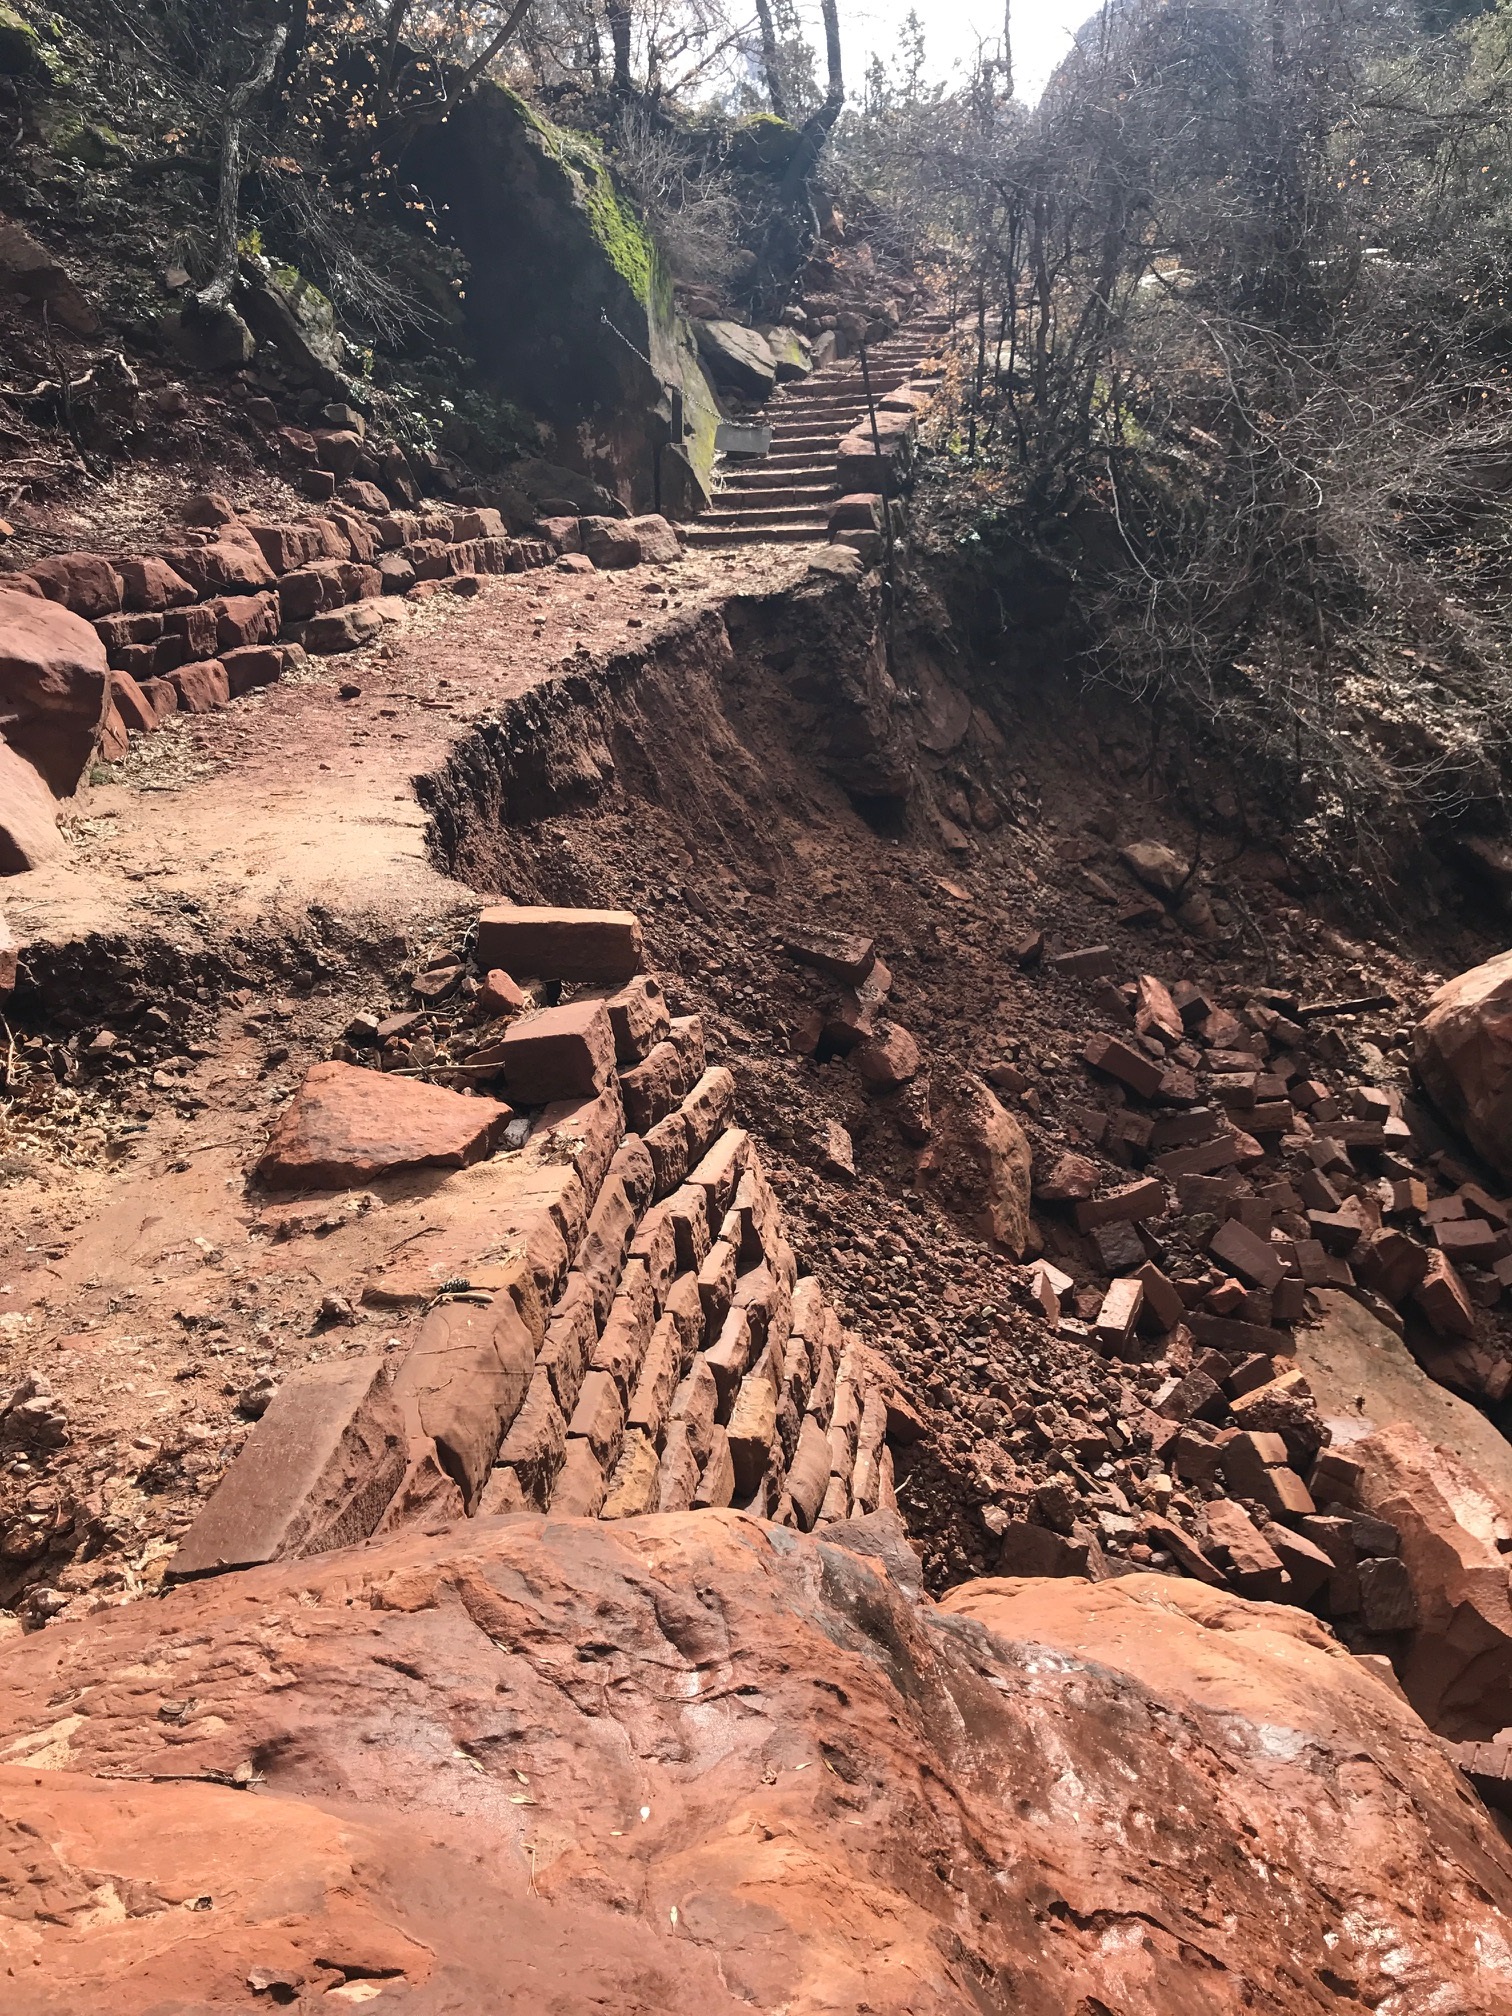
778 514
748 501
754 481
703 534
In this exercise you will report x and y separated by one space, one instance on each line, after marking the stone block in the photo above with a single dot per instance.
716 1284
621 1350
606 1242
655 1245
729 1355
584 1132
635 1485
752 1431
716 1487
680 1469
317 1472
652 1088
571 1336
536 1444
594 945
668 1144
695 1404
638 1014
581 1486
463 1381
558 1053
658 1381
599 1417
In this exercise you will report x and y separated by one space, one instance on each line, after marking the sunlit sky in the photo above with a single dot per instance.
1042 31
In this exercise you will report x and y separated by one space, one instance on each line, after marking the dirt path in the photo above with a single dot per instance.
136 1279
296 796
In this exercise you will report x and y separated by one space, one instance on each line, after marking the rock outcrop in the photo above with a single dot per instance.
28 816
695 1764
1456 1536
1462 1049
53 687
568 299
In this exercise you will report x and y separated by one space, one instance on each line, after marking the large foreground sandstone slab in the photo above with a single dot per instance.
694 1765
347 1125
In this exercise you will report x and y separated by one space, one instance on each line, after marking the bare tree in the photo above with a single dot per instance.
266 43
771 62
617 13
820 124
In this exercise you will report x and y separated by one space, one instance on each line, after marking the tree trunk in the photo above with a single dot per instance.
1007 48
818 129
239 101
618 15
770 61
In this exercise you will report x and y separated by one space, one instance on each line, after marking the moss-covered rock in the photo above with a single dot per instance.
72 137
568 302
763 143
791 354
290 312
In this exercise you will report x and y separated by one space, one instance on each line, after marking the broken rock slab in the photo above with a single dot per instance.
317 1473
1456 1535
549 944
1363 1378
347 1125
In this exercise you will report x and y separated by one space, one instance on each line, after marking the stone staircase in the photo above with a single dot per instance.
785 498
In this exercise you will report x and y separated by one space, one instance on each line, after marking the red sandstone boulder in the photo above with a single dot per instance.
347 1125
140 710
346 629
609 542
201 688
1000 1148
1456 1529
54 690
152 584
364 497
231 565
890 1059
28 816
1462 1049
82 582
1157 1798
657 541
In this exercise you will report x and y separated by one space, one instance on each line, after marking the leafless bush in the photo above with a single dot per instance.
1237 310
686 200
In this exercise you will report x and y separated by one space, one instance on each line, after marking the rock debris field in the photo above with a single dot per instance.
624 1376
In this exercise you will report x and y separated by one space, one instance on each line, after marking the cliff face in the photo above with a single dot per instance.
568 301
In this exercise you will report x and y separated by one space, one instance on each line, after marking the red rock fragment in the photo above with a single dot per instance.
346 1125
